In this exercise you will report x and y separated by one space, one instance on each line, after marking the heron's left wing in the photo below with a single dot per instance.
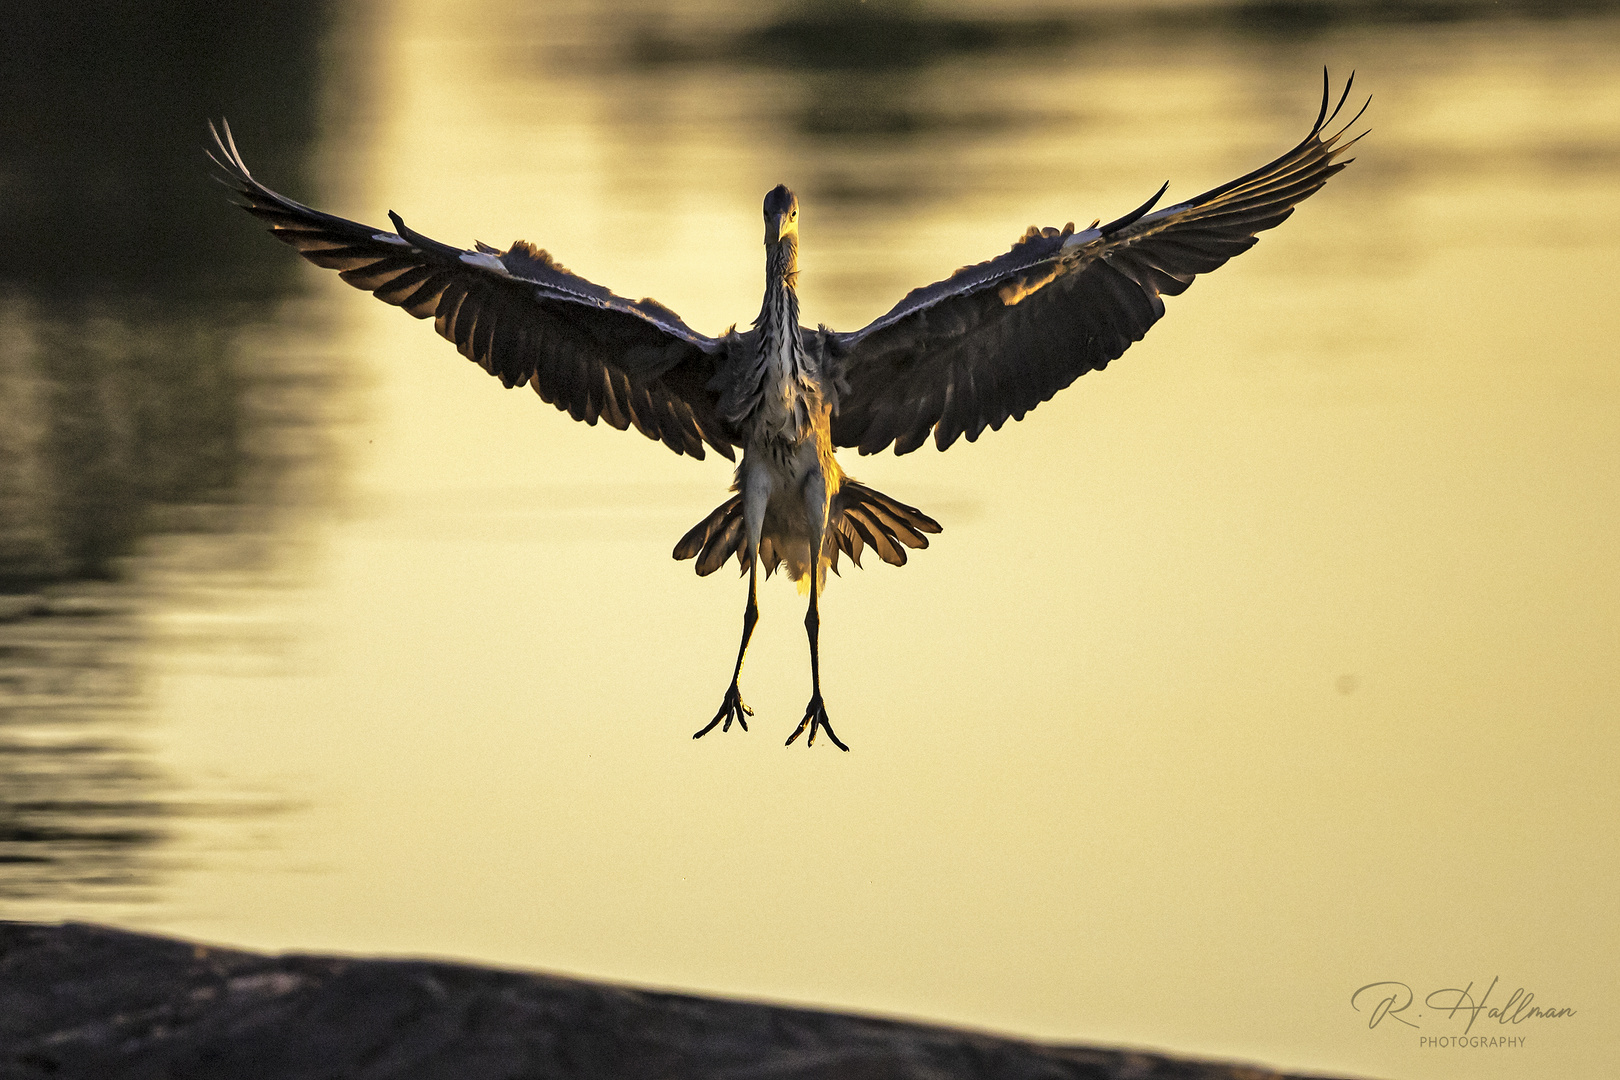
521 316
996 339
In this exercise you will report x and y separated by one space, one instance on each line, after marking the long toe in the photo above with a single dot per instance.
732 710
815 718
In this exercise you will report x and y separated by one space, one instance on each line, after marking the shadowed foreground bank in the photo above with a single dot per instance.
83 1001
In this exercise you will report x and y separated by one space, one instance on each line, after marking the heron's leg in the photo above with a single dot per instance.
732 707
815 713
756 491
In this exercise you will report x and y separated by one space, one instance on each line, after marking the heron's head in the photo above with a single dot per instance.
781 216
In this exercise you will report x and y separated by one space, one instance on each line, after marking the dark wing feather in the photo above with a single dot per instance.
996 339
520 316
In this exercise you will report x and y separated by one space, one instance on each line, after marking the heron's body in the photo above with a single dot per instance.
789 475
985 345
786 486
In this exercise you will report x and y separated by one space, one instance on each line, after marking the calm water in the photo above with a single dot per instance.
1277 660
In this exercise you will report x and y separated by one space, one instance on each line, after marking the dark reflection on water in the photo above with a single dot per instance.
841 35
134 405
855 35
79 805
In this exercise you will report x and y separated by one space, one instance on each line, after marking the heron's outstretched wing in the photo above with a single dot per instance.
996 339
520 315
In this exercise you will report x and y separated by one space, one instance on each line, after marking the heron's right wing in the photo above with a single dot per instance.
520 315
996 339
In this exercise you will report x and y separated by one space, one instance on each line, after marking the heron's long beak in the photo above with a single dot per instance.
779 227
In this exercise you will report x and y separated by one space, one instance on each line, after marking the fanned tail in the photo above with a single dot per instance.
860 518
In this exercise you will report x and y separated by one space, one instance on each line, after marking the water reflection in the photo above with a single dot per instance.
852 35
79 804
149 440
849 36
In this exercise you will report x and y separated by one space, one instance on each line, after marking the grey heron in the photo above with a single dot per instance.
985 345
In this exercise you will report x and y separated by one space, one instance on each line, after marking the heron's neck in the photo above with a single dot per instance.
780 310
786 376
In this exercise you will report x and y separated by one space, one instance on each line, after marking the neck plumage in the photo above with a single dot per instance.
781 279
787 377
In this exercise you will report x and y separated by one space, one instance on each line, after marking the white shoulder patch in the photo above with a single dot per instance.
1081 238
389 238
485 261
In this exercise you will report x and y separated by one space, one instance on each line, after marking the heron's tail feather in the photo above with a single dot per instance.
864 518
860 518
715 538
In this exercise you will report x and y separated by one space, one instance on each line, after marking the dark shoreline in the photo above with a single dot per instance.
78 1000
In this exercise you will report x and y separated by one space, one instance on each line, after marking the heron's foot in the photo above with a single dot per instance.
815 718
731 709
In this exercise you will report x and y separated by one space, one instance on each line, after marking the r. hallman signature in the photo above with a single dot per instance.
1388 1000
